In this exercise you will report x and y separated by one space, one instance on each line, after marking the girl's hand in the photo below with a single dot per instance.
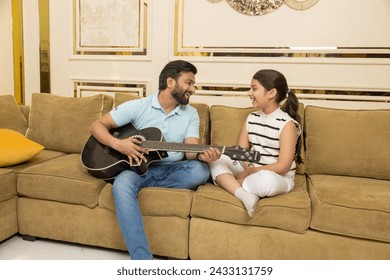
248 170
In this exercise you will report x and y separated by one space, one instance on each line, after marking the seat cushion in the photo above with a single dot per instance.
351 206
41 157
155 201
289 211
60 179
7 184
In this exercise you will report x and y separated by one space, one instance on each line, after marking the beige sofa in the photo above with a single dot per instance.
339 208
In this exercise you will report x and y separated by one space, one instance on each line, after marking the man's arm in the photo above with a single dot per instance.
130 147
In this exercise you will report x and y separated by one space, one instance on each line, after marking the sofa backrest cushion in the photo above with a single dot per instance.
10 115
347 142
62 123
226 124
204 122
121 97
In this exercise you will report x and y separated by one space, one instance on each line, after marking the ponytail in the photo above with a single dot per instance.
291 106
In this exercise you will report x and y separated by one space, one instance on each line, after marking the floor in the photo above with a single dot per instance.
15 248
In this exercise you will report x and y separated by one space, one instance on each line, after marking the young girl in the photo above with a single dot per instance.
274 131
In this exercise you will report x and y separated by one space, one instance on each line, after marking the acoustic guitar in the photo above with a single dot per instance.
105 163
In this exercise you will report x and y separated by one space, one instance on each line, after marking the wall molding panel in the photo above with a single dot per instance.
113 29
309 36
237 96
89 87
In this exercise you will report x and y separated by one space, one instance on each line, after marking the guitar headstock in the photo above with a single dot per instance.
242 154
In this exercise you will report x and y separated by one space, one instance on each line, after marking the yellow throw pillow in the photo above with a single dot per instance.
15 148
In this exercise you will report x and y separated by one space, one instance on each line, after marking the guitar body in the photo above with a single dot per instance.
105 163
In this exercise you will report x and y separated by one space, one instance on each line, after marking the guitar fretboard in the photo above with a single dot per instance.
178 147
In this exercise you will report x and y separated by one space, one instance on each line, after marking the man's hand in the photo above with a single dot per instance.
131 148
209 155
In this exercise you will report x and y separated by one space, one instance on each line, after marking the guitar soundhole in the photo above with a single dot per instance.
139 137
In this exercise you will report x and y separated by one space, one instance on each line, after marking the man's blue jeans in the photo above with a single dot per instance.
178 175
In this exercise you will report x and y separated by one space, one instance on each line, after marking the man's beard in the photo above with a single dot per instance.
180 95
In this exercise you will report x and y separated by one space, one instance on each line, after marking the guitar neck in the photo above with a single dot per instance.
177 147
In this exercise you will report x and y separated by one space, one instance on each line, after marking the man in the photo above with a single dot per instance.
167 110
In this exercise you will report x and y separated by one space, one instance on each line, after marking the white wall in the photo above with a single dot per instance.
204 24
6 51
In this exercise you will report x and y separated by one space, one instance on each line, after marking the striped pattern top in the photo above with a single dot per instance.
264 133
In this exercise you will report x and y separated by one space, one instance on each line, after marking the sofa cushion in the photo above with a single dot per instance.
155 201
60 179
204 122
10 115
15 148
289 211
25 109
8 201
121 97
41 157
351 206
62 123
348 142
226 124
7 184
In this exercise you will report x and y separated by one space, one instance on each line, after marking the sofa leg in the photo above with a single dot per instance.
29 238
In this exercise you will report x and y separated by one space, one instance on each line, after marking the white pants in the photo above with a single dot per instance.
262 183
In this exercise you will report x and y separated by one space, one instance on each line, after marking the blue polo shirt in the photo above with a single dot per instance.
181 123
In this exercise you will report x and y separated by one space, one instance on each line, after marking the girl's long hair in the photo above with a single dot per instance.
270 79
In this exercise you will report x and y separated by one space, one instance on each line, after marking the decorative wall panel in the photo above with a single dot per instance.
316 32
237 96
83 87
44 45
300 4
110 27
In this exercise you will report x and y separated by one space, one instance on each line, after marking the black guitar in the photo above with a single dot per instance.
105 163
